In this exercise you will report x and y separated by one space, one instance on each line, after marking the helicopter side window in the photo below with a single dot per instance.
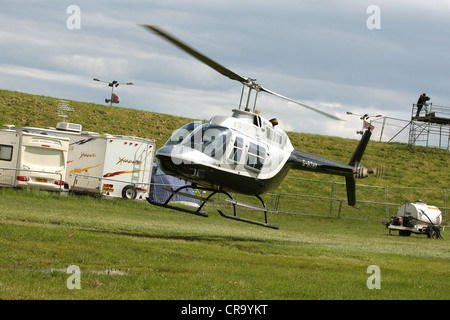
257 121
238 146
255 157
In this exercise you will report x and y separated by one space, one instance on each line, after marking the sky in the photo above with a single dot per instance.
367 57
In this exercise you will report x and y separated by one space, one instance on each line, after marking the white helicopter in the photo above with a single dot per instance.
244 153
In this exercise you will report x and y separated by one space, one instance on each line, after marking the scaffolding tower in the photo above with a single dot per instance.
431 128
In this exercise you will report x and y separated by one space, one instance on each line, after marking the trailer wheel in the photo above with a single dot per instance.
129 192
433 234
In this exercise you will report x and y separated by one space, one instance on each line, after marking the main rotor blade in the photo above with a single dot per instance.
219 68
303 105
224 71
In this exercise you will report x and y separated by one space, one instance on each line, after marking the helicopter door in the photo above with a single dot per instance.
236 153
256 156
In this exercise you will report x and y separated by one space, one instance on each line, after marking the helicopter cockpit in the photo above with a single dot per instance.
211 139
179 135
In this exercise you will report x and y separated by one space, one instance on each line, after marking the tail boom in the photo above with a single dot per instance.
301 160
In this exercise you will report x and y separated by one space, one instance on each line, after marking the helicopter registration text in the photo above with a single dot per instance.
309 164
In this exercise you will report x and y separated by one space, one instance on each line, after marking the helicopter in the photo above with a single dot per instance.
243 153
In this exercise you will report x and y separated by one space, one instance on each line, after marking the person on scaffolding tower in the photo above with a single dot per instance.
421 103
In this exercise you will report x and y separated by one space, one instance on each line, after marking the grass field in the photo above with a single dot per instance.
132 250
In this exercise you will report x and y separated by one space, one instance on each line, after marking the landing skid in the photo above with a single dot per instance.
205 200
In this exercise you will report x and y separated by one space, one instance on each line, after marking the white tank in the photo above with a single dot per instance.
420 212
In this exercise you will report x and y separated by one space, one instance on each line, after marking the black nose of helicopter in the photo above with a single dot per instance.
164 161
171 164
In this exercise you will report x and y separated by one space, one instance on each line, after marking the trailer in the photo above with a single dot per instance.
115 166
419 218
29 159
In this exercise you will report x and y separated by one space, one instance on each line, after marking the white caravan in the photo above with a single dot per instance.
32 160
113 165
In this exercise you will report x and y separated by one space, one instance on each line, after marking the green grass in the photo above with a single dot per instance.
171 255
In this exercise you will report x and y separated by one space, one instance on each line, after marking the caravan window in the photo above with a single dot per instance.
5 152
256 156
43 157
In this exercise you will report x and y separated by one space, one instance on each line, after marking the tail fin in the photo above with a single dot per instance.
354 162
357 156
350 183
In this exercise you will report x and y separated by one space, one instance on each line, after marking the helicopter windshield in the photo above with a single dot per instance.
182 133
210 139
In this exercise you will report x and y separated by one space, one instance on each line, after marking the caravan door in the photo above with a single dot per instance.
85 167
128 167
9 150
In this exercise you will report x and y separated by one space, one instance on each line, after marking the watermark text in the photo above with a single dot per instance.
373 22
374 281
73 22
74 281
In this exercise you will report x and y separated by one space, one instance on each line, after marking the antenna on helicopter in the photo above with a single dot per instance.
246 82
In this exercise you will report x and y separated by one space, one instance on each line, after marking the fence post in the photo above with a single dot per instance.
277 201
332 198
340 207
386 202
75 181
446 204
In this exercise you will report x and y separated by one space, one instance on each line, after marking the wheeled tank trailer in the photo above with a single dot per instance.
417 218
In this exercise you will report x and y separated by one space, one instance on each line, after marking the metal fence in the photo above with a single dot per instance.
80 183
329 199
373 202
325 198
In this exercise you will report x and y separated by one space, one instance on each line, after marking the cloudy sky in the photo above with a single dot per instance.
371 56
